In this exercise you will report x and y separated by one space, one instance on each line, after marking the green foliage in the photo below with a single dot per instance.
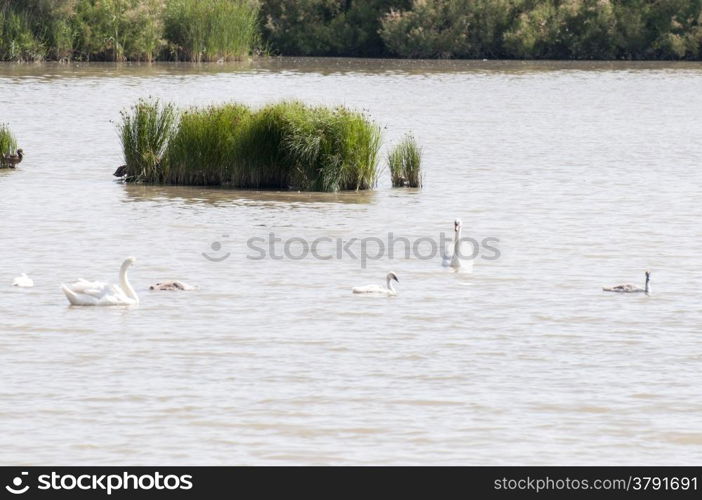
205 149
120 30
448 28
550 29
209 30
145 131
282 145
8 143
326 27
404 161
17 41
577 29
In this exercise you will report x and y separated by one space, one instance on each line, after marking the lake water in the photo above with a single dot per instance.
587 173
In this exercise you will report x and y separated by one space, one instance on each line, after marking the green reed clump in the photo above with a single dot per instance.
326 149
405 162
279 146
8 143
210 30
145 131
203 150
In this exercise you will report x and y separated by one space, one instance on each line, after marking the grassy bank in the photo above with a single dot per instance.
210 30
128 30
509 29
279 146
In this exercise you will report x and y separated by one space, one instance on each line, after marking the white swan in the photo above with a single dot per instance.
452 259
632 288
23 281
386 290
97 293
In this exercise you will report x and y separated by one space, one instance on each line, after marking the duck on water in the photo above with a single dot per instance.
11 160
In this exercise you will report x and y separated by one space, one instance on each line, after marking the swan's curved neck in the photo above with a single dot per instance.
456 258
124 282
389 284
647 288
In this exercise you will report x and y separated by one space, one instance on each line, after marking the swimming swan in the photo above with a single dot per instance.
387 290
23 281
172 285
631 288
97 293
453 258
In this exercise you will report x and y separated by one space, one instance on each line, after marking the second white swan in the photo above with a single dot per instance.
453 259
97 293
388 289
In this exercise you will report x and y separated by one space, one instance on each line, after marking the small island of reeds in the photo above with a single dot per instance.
286 145
405 161
9 154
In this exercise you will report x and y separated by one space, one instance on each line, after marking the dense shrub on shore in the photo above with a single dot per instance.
208 30
121 30
448 28
17 42
279 146
326 27
547 29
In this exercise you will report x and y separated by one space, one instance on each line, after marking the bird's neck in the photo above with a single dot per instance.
455 260
389 284
124 282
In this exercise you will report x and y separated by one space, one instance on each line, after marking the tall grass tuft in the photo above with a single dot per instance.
203 150
280 146
145 131
210 30
405 161
327 149
8 143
